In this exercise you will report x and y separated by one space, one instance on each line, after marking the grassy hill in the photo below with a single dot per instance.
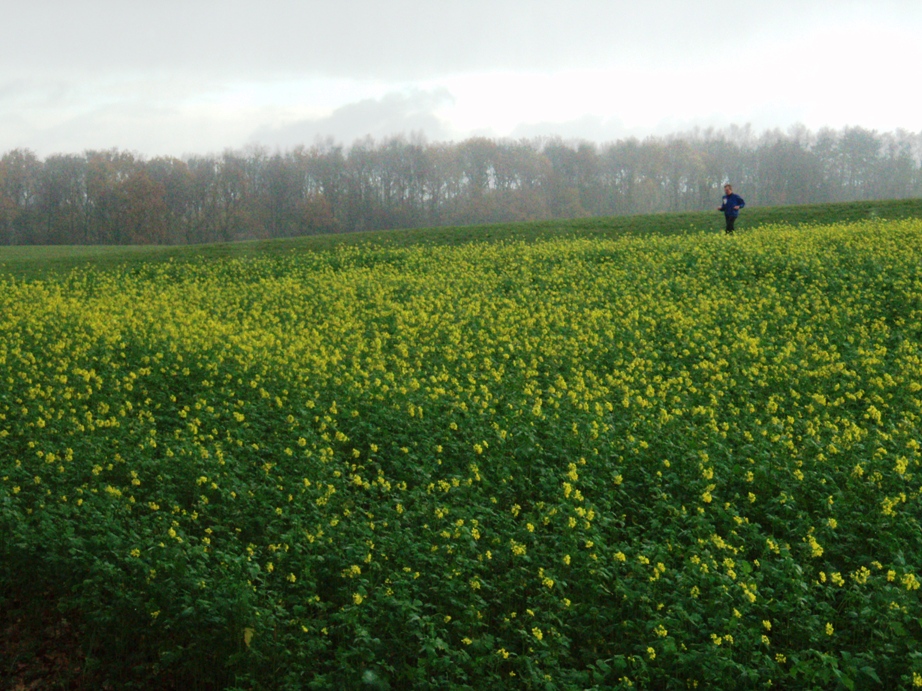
26 262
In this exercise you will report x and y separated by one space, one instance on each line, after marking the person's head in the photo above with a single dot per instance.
728 188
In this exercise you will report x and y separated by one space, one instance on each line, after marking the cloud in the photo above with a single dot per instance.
589 127
399 40
201 75
395 113
599 130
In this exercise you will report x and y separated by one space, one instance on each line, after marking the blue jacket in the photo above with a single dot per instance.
729 201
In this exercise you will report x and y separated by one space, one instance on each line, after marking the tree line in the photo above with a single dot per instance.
118 197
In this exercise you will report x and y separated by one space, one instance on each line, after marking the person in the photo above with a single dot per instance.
731 205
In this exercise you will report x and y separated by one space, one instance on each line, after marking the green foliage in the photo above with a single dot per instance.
647 460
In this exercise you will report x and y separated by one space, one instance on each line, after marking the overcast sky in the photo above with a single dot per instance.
174 77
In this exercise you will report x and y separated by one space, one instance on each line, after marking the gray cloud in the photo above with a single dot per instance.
200 75
393 39
395 113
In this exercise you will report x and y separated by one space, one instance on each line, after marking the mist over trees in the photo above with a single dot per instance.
116 197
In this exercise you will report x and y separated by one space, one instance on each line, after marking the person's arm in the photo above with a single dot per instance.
740 202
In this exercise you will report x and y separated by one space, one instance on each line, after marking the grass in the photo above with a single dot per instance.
31 262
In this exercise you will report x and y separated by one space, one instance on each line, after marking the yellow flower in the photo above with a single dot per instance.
357 598
815 549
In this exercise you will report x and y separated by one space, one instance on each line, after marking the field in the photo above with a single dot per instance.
28 262
567 461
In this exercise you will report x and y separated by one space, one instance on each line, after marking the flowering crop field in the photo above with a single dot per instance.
658 462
